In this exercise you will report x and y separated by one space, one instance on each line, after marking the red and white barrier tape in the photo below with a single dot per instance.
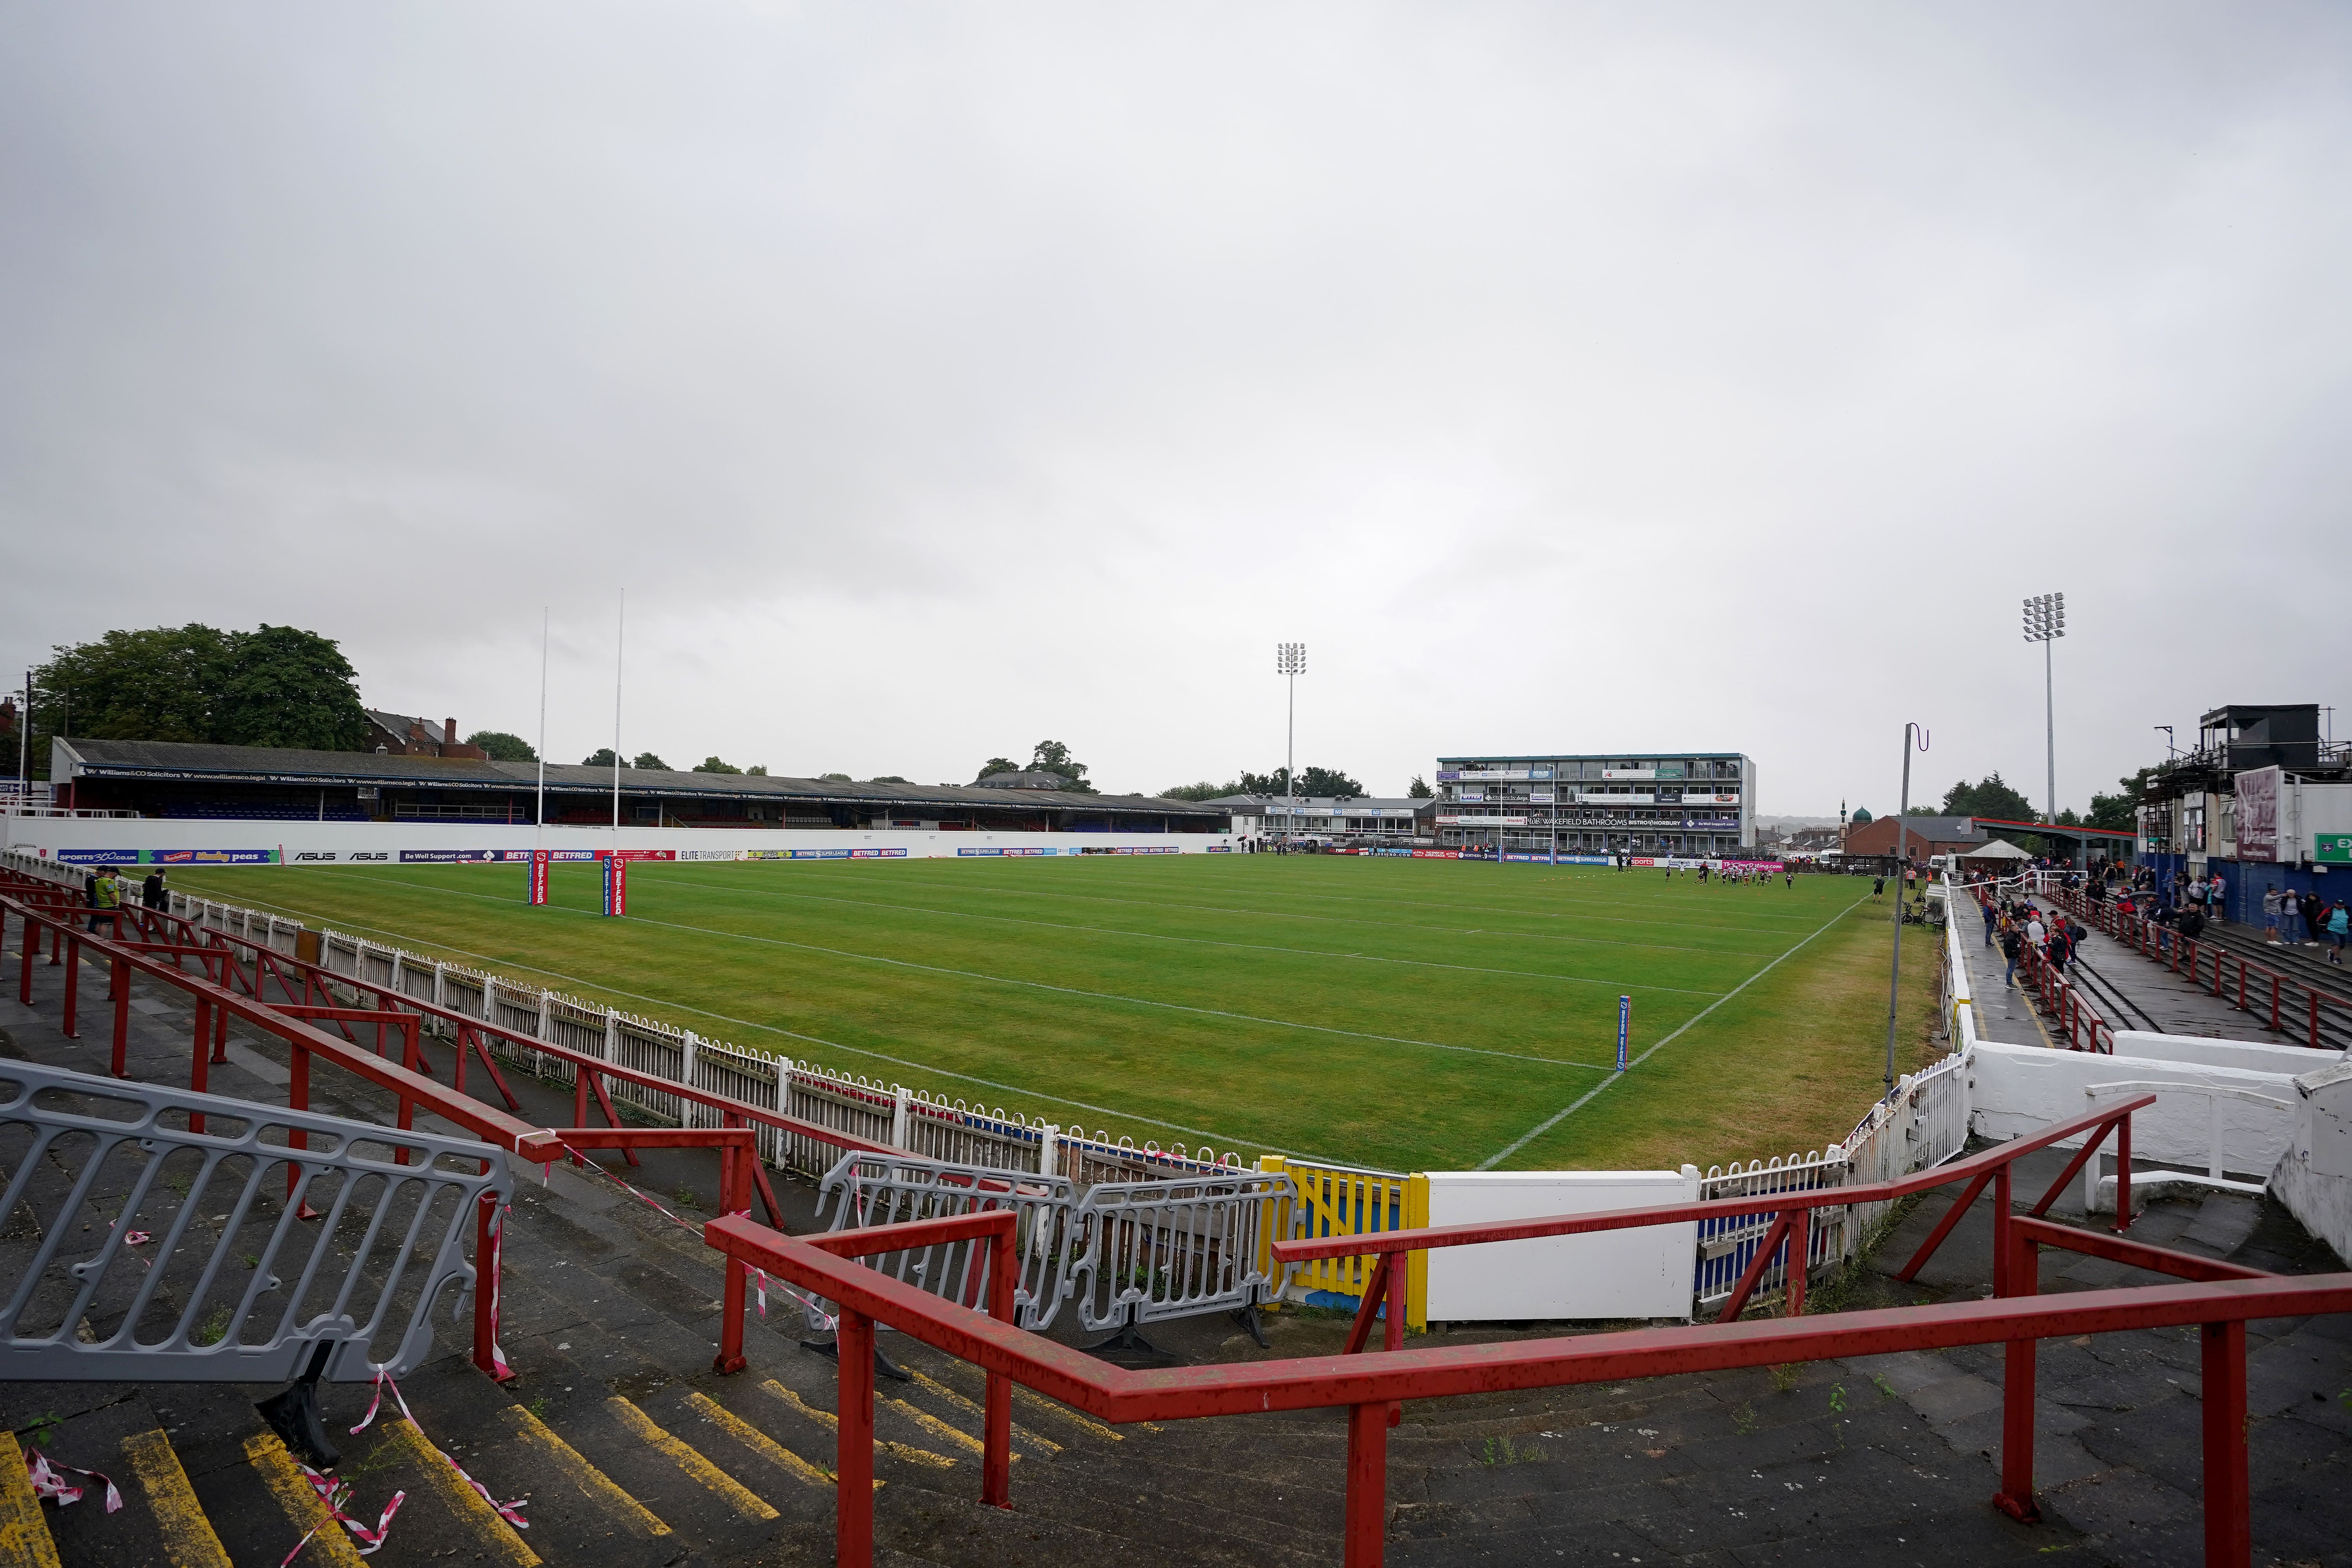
654 1204
334 1494
498 1249
509 1512
47 1483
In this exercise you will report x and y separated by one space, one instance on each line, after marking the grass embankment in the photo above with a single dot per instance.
1412 1014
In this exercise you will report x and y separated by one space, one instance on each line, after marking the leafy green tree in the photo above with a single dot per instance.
713 765
287 687
650 763
888 778
155 685
837 778
756 771
995 766
505 748
2120 812
1312 781
1053 757
1991 796
1204 790
602 757
1419 789
275 686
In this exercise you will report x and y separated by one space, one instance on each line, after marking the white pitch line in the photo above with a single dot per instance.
1553 1121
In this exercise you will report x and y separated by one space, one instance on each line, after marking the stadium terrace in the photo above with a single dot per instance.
181 781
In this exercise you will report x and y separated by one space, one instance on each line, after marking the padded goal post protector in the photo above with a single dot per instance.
539 876
616 885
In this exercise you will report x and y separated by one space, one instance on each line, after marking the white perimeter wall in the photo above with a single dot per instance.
2314 1178
1643 1273
342 843
2022 1089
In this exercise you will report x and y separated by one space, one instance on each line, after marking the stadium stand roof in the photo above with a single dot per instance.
80 758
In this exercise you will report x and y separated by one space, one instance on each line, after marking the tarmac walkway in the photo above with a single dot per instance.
2129 992
633 1451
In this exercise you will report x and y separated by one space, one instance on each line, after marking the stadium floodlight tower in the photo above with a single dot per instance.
2045 622
1290 661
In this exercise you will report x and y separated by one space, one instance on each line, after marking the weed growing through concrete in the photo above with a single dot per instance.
39 1429
215 1327
1885 1389
1784 1376
1743 1418
1501 1451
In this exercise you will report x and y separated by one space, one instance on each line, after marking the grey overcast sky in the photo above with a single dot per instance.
939 377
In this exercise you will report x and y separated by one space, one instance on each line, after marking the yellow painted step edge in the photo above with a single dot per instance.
188 1538
760 1443
495 1532
25 1541
691 1459
600 1488
973 1407
265 1452
1036 1401
882 1445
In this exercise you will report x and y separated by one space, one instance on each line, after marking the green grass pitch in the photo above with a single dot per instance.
1409 1014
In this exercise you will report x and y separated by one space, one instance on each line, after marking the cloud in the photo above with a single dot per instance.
936 379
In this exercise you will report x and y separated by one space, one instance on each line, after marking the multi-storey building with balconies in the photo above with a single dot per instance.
1694 804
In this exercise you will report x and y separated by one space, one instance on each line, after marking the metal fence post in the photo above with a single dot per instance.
686 1053
2228 1519
73 986
1367 1485
1047 1143
853 1460
996 1468
2015 1497
901 1120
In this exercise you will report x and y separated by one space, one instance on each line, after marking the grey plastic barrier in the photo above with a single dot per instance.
1125 1252
869 1190
1139 1252
137 1247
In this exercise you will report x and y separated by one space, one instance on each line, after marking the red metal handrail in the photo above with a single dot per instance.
2187 955
1368 1385
2062 1001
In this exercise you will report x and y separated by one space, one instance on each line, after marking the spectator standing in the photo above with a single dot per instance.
1989 918
2270 915
2314 913
2217 889
151 891
2034 931
2339 927
2012 947
105 894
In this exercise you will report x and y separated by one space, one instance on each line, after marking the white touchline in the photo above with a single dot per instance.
1491 1161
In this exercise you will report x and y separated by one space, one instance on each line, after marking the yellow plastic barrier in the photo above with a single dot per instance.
1336 1201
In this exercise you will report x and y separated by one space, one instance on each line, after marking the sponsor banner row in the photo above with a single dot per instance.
1129 849
166 856
1017 850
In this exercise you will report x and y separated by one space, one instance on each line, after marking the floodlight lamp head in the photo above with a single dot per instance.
1290 658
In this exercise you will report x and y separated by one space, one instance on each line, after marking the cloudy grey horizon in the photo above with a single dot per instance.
939 379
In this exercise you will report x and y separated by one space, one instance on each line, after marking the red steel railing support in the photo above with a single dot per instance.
853 1460
2022 1267
2229 1514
